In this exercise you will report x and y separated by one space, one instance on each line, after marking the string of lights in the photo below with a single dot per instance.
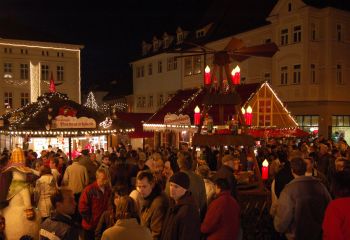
91 102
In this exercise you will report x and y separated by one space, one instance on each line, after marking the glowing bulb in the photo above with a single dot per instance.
197 110
265 163
243 110
249 109
207 69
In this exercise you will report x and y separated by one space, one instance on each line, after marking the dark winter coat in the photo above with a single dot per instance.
60 225
182 220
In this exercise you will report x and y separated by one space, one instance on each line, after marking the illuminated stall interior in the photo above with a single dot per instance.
57 121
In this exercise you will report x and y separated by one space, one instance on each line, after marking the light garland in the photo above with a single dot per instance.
188 101
120 106
40 133
34 81
16 82
106 123
156 127
105 107
91 102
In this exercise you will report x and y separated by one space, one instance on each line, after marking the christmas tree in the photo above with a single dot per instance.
91 102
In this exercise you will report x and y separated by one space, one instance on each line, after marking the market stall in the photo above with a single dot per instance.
267 117
57 121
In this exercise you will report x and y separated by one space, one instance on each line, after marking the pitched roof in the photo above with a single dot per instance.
184 102
136 119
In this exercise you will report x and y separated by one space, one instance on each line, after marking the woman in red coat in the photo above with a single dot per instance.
222 218
336 223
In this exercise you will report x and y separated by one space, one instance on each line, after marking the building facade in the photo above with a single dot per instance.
28 66
310 72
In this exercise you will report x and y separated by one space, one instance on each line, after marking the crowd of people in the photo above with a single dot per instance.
171 194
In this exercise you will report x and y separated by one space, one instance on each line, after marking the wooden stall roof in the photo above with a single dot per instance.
222 140
184 102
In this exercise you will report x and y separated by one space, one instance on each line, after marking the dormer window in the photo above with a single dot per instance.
179 35
145 48
166 40
200 34
155 44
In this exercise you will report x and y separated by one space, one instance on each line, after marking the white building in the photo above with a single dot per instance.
28 66
310 72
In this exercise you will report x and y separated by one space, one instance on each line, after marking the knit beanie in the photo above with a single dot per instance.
181 179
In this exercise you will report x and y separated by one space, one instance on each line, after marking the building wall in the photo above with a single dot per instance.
323 56
18 54
154 88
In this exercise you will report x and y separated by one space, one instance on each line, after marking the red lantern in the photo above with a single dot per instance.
207 79
197 116
236 75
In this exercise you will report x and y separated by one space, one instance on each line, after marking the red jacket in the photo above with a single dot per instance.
336 223
93 202
222 218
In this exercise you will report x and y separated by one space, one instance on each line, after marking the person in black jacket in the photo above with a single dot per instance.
182 220
60 224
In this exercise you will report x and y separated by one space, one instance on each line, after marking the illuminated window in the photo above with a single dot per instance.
8 99
193 65
308 122
297 34
24 71
296 74
24 99
341 121
284 75
8 70
45 72
60 73
284 36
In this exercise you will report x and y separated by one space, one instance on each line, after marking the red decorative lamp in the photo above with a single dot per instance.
249 116
207 75
236 75
197 116
265 170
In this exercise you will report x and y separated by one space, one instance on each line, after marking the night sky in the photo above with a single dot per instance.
115 29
